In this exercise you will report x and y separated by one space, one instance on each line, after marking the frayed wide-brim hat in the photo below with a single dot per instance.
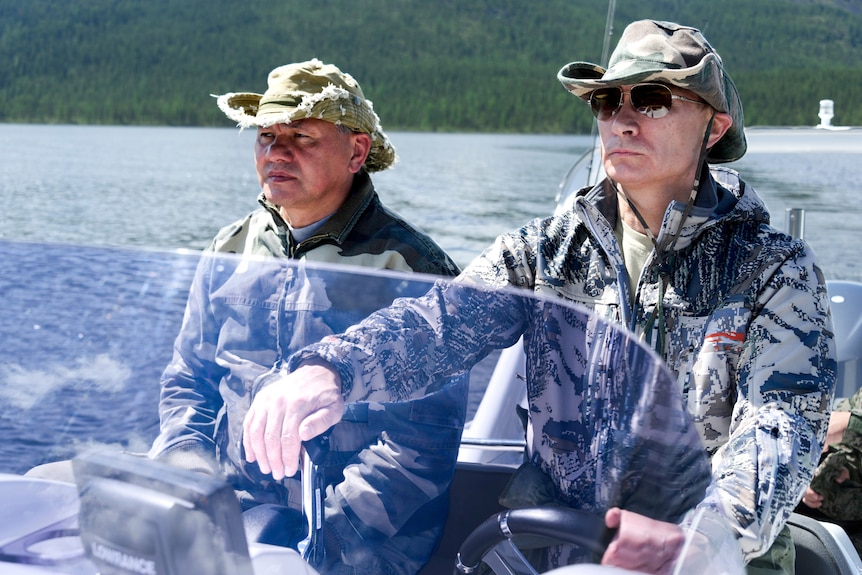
312 90
652 51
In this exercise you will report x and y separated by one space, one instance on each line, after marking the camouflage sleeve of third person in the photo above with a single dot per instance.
843 501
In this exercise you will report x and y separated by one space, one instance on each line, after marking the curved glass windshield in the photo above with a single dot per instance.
92 360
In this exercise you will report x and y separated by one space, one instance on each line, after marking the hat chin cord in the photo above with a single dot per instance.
664 252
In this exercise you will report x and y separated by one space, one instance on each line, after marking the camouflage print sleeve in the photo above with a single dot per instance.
843 501
452 327
852 438
785 385
852 404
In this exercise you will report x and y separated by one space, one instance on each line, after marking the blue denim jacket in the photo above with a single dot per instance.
257 297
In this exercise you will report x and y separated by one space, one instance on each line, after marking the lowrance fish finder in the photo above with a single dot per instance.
143 517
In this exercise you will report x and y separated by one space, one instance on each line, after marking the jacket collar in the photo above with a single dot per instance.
722 196
341 223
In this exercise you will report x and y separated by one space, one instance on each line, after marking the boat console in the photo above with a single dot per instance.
129 515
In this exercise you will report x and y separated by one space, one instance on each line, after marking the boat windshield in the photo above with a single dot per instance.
91 345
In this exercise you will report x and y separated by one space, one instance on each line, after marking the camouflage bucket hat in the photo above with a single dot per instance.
312 90
650 51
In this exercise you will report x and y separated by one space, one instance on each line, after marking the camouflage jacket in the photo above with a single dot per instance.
843 501
748 337
246 313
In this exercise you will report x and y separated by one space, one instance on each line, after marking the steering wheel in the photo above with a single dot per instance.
563 524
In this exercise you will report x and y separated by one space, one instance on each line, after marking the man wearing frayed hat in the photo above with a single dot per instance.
318 139
681 253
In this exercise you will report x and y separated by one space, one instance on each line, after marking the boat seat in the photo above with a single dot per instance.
473 497
822 549
846 303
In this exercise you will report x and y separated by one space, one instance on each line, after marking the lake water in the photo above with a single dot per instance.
172 188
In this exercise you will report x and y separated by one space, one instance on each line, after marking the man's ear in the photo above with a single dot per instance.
721 123
361 147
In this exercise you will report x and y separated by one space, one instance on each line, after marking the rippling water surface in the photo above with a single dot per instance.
174 187
95 192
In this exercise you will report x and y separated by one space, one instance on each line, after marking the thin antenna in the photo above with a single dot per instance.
606 47
609 32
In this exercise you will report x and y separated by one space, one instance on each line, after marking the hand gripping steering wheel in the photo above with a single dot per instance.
562 524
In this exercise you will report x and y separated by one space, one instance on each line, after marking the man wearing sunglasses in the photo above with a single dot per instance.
680 252
748 334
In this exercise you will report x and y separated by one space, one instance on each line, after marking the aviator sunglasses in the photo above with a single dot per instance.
651 100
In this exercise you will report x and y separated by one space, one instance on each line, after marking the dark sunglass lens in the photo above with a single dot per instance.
652 100
605 102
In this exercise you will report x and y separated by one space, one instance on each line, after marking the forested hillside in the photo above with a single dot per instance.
465 65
